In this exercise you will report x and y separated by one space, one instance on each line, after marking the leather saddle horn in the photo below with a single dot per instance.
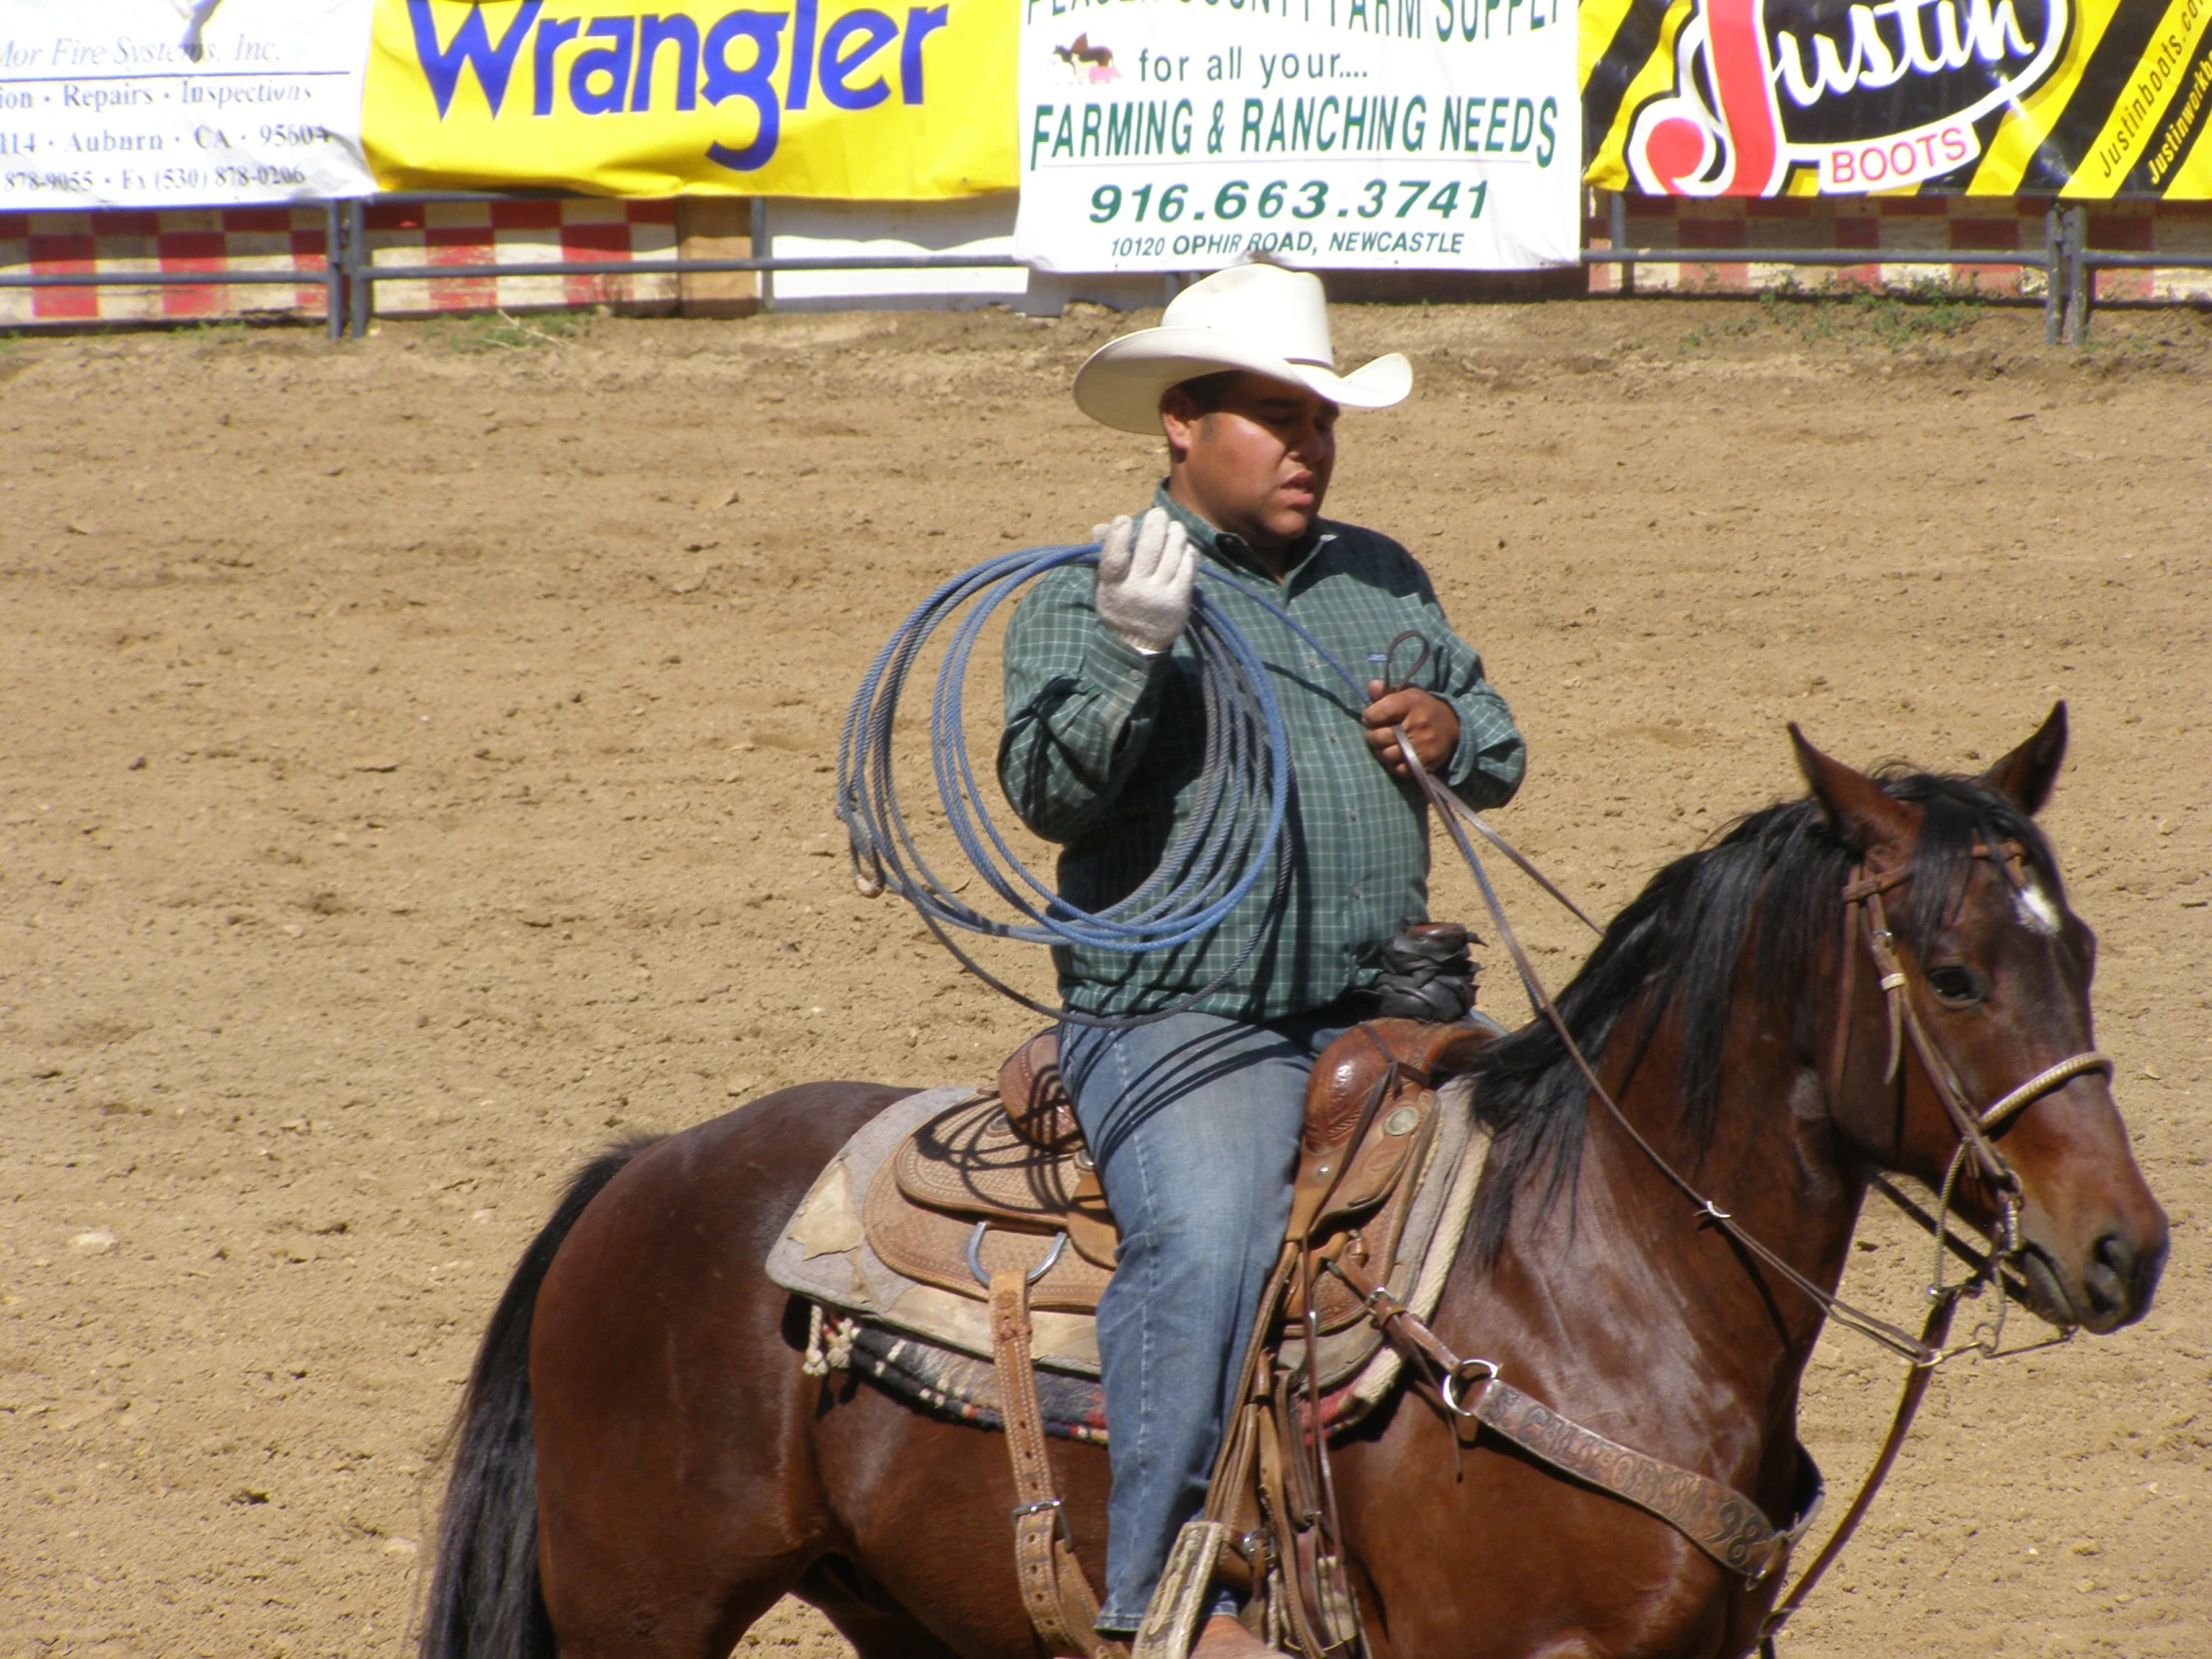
1036 1101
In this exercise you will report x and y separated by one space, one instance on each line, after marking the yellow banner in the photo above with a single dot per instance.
824 98
2080 99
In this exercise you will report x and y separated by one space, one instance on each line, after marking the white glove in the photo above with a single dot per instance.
1143 594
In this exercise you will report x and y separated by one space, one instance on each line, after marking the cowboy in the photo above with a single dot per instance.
1194 1119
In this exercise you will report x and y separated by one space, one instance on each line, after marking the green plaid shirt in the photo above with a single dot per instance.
1102 748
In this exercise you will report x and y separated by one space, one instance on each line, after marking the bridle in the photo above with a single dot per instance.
1864 916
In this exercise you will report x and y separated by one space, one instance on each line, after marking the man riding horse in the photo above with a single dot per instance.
1193 1114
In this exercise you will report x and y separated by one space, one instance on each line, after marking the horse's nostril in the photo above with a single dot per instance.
2111 1275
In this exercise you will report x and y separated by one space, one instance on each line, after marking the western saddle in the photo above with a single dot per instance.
997 1198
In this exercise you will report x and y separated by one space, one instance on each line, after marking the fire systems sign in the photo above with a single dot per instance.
1974 96
142 104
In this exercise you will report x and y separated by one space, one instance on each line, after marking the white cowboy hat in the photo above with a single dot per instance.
1257 317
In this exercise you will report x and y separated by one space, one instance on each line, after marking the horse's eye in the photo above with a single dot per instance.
1955 982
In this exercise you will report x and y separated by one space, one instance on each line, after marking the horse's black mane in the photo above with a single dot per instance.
1780 873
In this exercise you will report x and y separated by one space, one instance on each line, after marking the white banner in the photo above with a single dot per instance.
1183 135
180 103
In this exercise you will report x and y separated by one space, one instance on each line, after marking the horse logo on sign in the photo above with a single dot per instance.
1869 96
1087 63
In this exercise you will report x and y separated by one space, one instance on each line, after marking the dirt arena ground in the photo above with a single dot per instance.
417 773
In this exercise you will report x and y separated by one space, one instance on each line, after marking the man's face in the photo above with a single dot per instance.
1259 464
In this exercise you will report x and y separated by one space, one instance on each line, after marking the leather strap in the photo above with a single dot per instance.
1724 1523
1054 1592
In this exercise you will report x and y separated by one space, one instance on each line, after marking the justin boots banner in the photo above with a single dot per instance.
826 98
2074 97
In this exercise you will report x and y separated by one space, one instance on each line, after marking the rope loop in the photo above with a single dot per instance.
1231 839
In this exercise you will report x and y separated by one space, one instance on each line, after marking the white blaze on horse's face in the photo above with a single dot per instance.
2034 908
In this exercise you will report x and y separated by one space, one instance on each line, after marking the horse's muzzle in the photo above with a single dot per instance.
2111 1283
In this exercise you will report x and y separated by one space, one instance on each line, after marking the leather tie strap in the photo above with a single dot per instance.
1724 1523
1054 1592
1864 883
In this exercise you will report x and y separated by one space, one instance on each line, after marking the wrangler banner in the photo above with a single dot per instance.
827 97
1184 135
2084 98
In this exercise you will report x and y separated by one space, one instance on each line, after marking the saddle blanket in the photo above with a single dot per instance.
932 1345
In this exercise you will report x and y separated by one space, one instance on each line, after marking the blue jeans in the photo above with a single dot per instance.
1194 1123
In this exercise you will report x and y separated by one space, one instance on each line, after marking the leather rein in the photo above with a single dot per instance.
1729 1534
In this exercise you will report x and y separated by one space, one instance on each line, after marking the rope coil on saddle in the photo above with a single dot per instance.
1428 974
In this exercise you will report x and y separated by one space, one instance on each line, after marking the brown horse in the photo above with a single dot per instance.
643 1469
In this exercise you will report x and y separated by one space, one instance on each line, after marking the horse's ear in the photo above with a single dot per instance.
1862 811
2026 776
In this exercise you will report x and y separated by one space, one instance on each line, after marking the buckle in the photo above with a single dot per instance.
1466 1371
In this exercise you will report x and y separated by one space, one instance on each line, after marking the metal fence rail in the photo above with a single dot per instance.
362 274
2087 262
331 277
2067 260
2054 258
348 273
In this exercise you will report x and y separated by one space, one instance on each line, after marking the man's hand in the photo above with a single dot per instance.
1145 574
1431 727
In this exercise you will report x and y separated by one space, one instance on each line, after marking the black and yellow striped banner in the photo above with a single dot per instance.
2085 98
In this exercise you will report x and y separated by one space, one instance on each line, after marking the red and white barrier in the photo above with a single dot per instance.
1748 241
519 233
118 242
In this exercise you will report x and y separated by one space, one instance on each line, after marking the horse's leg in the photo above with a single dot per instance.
865 1615
926 1506
678 1492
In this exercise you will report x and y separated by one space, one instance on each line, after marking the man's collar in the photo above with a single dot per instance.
1231 549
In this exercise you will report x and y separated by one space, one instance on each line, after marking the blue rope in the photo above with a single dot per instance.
1233 835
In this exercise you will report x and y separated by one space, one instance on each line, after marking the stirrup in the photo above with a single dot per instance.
1179 1604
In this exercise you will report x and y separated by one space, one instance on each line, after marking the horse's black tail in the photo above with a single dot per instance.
485 1599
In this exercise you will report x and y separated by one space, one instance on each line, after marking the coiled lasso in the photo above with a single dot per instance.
1232 838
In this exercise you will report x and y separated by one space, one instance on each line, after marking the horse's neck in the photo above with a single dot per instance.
1647 1300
